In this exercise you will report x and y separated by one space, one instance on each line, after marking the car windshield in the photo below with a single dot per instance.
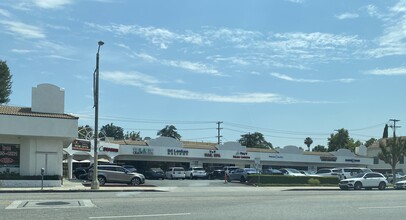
293 171
360 175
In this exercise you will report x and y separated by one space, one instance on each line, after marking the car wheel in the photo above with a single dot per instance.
357 186
102 180
382 186
242 179
228 179
171 177
191 176
135 181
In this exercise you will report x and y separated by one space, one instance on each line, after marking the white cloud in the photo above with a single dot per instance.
146 57
193 66
347 16
400 71
288 78
399 7
51 4
5 13
123 46
131 78
296 1
21 51
22 30
148 84
346 80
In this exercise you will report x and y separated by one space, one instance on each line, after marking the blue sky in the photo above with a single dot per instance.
289 69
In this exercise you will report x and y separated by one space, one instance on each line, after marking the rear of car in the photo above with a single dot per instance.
155 173
175 173
241 174
195 172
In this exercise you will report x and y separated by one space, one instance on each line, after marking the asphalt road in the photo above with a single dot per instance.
227 201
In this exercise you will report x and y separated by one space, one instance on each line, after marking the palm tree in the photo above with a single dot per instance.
308 141
169 131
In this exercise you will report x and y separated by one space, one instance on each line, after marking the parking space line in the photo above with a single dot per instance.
140 216
383 207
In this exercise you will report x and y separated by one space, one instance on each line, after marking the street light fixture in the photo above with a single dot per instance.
95 182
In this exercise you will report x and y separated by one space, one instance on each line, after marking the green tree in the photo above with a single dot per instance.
132 136
342 140
5 83
254 140
169 131
392 151
308 141
370 142
85 132
111 130
319 148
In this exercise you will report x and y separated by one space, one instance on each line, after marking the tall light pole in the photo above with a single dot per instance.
95 182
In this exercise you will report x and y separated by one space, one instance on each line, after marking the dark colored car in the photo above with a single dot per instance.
216 174
154 173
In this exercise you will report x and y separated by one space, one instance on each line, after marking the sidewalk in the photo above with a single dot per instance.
79 186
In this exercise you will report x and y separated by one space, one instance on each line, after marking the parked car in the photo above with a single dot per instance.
154 173
326 172
228 169
365 180
195 172
116 174
216 174
348 172
175 173
241 174
272 172
291 172
400 184
130 168
399 176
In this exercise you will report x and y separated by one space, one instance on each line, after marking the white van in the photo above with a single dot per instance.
175 173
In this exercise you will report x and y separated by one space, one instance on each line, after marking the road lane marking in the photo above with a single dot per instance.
140 216
383 207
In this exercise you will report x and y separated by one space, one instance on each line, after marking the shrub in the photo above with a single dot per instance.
290 180
313 182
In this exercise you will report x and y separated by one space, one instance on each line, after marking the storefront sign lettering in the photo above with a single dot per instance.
275 156
178 152
143 151
109 149
328 158
241 155
9 154
81 145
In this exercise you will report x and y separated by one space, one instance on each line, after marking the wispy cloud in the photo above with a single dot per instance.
5 13
150 84
51 4
193 66
347 16
23 30
288 78
400 71
296 1
21 51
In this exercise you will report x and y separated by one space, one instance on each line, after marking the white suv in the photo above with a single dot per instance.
175 173
195 172
364 180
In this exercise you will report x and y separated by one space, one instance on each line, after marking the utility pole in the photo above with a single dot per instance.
394 126
218 132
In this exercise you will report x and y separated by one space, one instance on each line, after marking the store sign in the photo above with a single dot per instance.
241 155
275 156
328 158
109 149
81 145
353 160
176 152
9 154
212 153
143 151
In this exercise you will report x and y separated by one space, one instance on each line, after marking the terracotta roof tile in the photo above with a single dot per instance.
23 111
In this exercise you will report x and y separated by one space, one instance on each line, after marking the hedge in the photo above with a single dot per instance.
289 180
18 177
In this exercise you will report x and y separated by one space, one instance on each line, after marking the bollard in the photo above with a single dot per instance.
42 178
